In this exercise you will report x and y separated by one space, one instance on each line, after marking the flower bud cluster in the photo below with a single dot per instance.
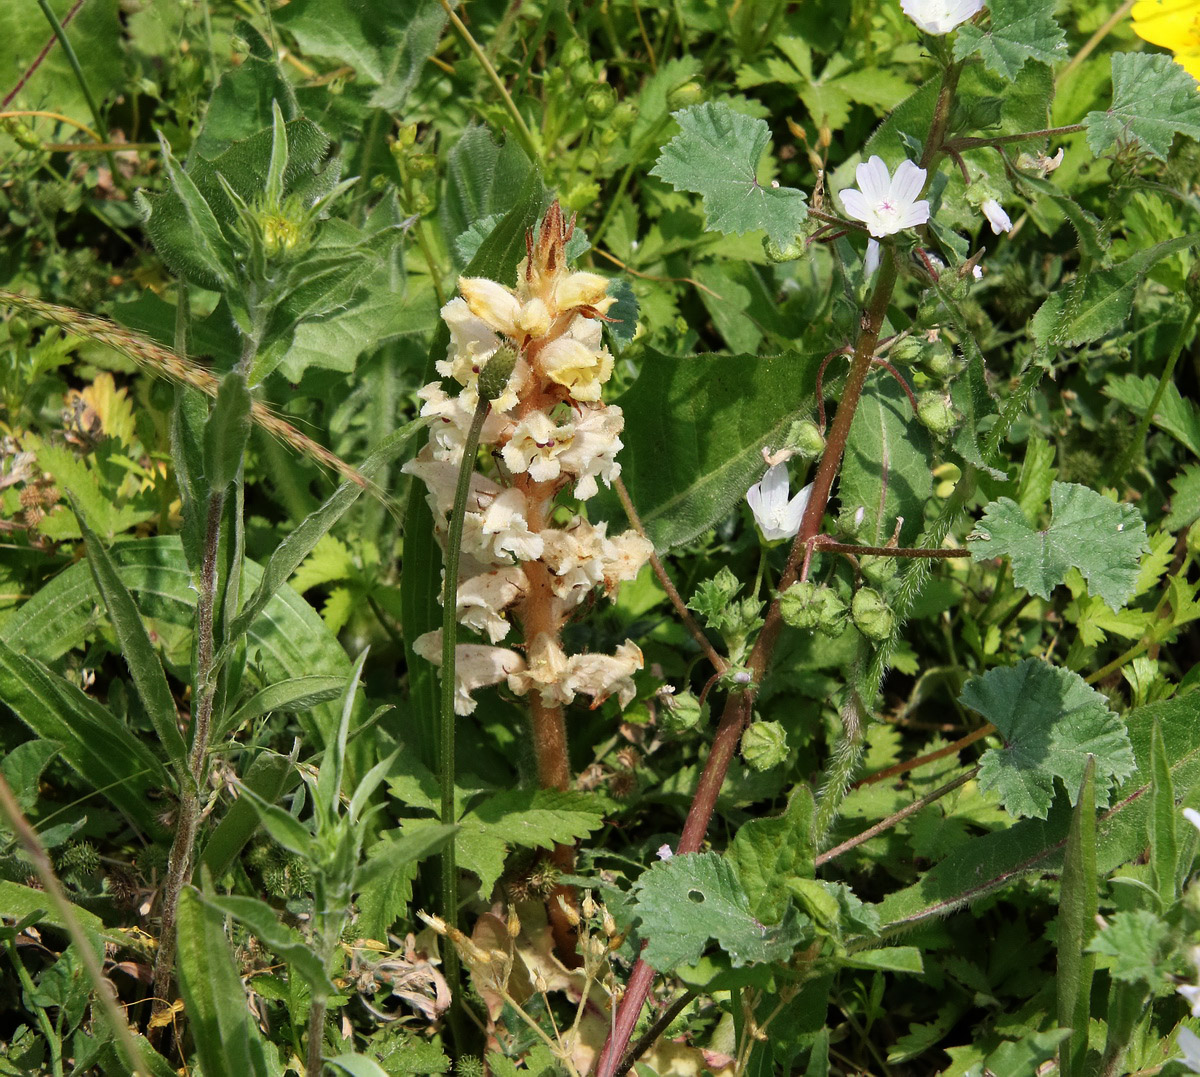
549 433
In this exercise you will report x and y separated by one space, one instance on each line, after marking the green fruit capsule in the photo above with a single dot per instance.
871 614
493 379
764 745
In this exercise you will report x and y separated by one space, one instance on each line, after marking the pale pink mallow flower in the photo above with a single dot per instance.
887 204
940 16
777 516
475 666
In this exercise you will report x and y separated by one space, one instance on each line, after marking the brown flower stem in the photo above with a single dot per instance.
897 817
889 551
957 145
919 761
685 615
738 706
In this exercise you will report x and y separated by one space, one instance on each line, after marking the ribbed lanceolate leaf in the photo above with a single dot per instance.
1052 723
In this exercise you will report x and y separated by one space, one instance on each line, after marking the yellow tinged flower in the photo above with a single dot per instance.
1173 24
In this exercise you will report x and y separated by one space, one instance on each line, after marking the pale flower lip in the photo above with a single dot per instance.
940 16
776 516
996 217
887 204
1189 1043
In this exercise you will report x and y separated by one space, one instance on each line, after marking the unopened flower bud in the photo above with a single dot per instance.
852 521
878 569
513 924
599 101
623 116
806 438
936 413
681 712
690 93
764 745
786 252
493 379
871 614
942 362
589 905
810 605
569 911
906 351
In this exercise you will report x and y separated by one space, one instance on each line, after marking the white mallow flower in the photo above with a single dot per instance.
475 666
604 675
506 527
776 516
940 16
593 448
536 445
887 204
482 600
1189 1043
996 217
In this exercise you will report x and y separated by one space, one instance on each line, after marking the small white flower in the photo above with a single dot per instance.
663 852
506 527
977 271
1189 1043
593 448
996 217
536 445
887 204
1192 816
940 16
1191 992
776 516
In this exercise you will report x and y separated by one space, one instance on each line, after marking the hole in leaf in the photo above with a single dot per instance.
696 897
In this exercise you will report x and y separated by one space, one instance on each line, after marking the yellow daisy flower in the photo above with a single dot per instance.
1173 24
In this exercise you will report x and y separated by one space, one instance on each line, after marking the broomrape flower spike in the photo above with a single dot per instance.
940 16
887 204
776 516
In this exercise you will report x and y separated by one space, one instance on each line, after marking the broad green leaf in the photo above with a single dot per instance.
1051 722
1176 414
684 902
284 941
888 467
768 853
22 902
716 155
136 648
226 432
287 636
1103 540
889 959
1077 910
482 182
1019 1058
1036 480
1020 30
297 694
1154 99
397 854
224 1031
993 861
94 742
22 768
694 428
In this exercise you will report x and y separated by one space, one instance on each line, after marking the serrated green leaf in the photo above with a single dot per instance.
716 156
1136 940
684 902
1176 414
768 854
1154 99
1051 722
1087 531
1019 30
1185 499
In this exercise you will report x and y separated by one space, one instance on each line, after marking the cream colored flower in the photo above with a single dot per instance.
602 675
577 555
544 672
506 526
579 369
583 290
453 418
628 553
535 446
441 478
492 303
593 448
482 600
475 666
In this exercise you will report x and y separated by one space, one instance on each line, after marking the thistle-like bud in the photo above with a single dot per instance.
493 379
680 713
871 614
599 101
936 413
764 745
811 605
